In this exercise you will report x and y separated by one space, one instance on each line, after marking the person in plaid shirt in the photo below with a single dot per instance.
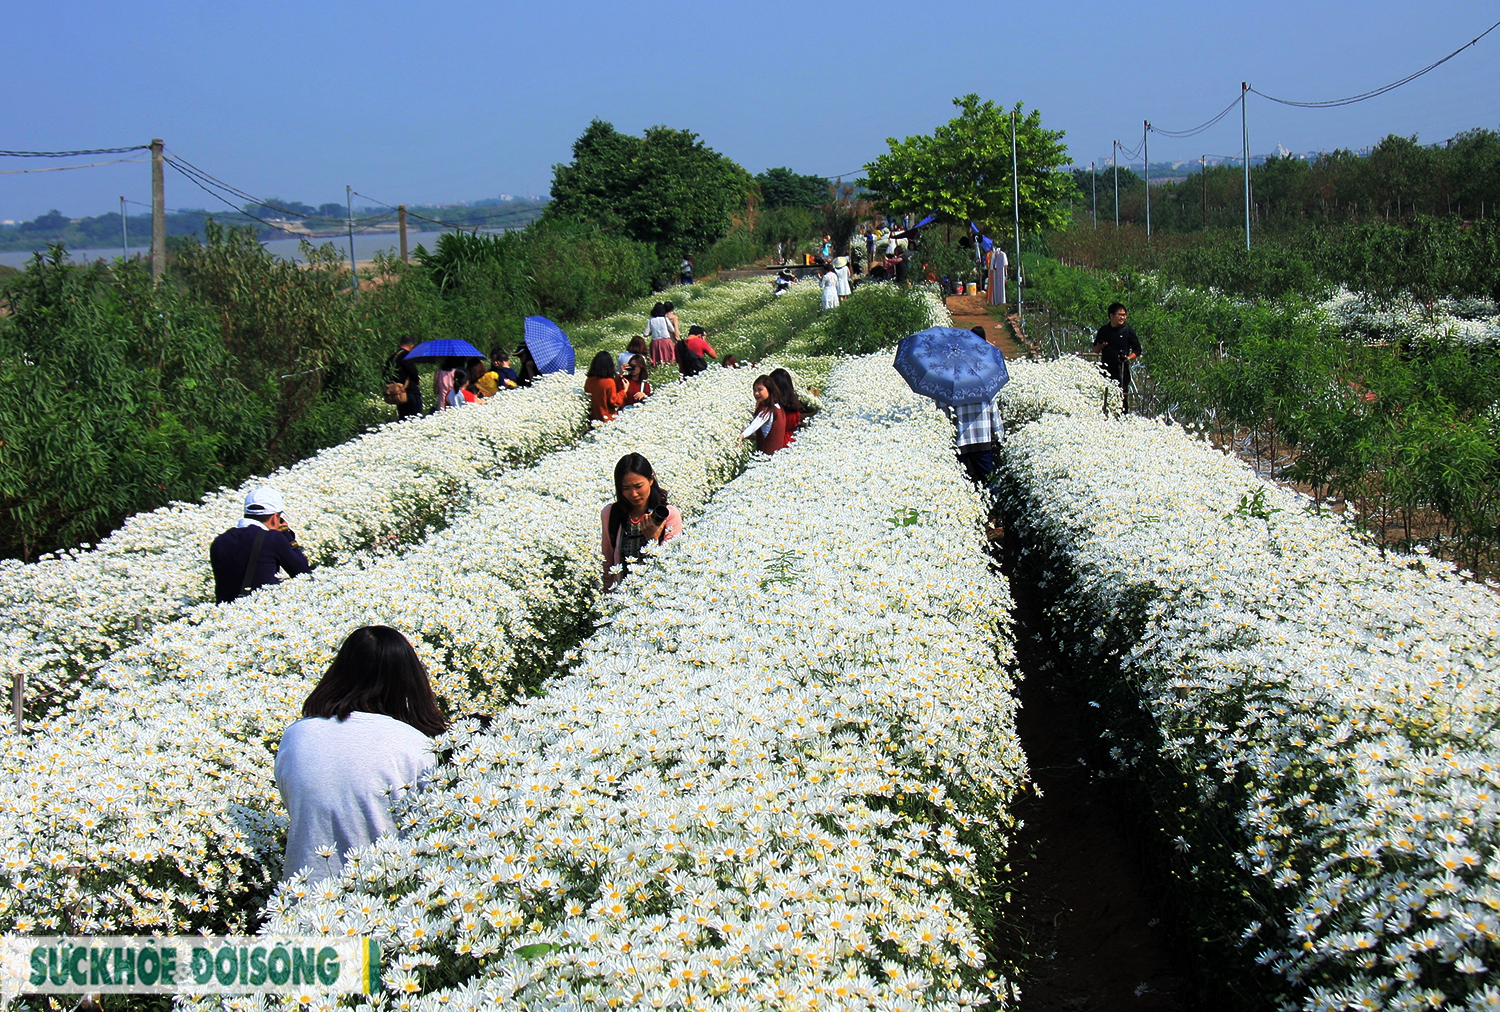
979 428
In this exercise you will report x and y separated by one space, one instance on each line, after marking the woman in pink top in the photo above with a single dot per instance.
639 516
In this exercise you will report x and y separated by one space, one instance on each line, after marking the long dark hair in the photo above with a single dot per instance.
789 400
377 671
634 463
658 310
643 373
603 366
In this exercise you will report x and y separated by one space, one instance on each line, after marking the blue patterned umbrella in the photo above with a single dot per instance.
446 348
549 346
951 366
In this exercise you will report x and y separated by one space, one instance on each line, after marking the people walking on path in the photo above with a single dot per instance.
403 386
659 333
978 430
364 740
250 553
830 283
768 427
1117 346
685 271
605 387
639 516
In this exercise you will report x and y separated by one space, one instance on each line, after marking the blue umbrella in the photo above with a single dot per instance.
549 346
445 348
951 366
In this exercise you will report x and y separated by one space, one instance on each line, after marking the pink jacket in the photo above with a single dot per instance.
611 551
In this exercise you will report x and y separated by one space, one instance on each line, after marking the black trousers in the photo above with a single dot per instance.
1119 371
412 408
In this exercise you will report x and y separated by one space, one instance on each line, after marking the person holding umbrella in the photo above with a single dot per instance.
963 373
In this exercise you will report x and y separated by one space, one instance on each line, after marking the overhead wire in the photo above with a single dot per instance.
466 227
73 154
65 168
1200 127
1334 103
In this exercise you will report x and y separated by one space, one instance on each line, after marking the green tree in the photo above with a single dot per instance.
666 188
962 170
781 187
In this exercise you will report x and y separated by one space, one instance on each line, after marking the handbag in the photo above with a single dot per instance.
395 393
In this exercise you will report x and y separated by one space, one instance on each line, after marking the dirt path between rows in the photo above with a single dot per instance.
970 311
1091 934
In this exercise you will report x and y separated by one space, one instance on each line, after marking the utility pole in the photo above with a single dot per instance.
124 233
158 211
1203 172
353 264
1114 159
1146 156
1015 183
1245 130
1094 178
401 215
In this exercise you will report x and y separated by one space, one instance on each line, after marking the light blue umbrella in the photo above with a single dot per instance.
951 366
549 346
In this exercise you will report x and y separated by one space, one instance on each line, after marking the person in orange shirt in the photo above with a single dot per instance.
605 388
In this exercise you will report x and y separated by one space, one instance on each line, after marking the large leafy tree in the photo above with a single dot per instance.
781 187
962 170
666 187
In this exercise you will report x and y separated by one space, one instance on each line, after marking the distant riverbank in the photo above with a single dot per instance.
365 248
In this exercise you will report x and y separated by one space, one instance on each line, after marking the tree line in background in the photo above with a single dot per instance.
1399 180
102 231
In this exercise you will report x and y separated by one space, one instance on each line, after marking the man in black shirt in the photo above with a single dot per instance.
248 554
399 370
1117 346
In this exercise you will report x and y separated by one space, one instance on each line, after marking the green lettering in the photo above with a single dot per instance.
57 966
258 965
148 965
279 965
328 965
244 964
203 966
38 965
124 966
304 967
99 966
226 969
75 965
169 965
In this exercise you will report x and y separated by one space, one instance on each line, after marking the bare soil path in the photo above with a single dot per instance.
1091 933
969 311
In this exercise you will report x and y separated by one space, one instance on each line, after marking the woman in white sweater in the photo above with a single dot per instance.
364 739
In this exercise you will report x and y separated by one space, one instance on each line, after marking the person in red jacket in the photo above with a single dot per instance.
769 425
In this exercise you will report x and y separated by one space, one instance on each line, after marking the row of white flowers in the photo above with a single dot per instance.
381 489
770 781
1333 709
150 804
1468 321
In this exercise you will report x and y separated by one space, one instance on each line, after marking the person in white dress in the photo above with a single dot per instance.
841 272
830 288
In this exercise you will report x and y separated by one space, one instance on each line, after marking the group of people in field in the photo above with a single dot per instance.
456 382
366 732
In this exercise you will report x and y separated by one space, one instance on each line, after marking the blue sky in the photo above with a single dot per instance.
447 101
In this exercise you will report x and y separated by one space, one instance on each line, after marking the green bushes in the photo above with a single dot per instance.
1409 434
875 316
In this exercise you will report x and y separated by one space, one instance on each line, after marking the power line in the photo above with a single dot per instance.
1376 92
243 195
65 168
471 227
1197 129
72 154
270 224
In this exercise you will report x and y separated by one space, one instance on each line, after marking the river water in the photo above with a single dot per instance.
365 247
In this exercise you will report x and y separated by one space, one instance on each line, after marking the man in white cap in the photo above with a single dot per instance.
249 554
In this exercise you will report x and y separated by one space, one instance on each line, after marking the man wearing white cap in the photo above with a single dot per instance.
249 554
